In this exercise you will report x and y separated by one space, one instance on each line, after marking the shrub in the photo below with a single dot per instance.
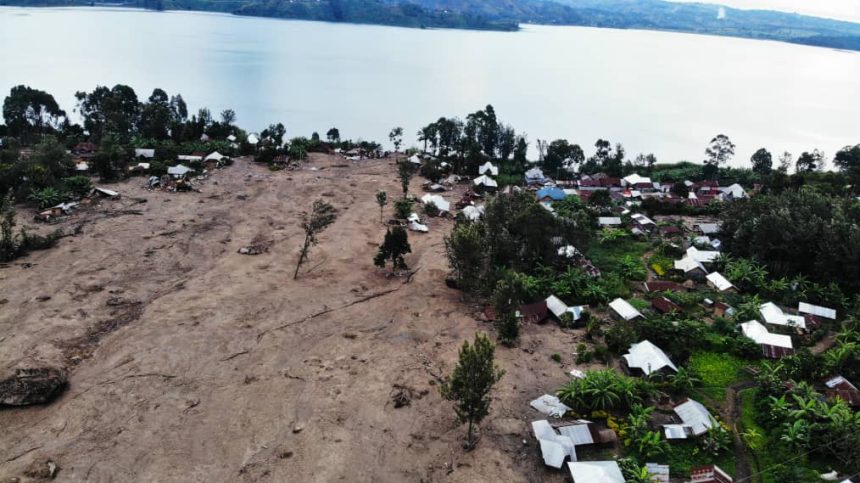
430 209
46 197
583 355
402 209
556 357
78 185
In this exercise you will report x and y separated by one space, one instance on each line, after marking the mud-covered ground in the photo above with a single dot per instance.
191 362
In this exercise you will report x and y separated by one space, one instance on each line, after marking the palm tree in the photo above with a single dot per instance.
753 438
796 434
684 380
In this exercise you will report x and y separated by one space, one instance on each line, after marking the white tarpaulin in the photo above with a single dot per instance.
550 405
437 200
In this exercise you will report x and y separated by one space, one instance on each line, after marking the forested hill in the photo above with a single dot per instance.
509 14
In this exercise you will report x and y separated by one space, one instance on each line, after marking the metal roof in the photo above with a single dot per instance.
719 282
595 472
648 357
624 309
805 308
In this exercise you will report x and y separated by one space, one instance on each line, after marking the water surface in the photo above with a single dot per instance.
666 93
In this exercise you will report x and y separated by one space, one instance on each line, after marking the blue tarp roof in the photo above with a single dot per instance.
557 194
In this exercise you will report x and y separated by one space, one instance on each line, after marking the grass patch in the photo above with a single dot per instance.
684 455
717 371
607 256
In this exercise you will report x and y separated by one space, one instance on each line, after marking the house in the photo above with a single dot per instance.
643 221
605 221
595 472
702 256
622 309
485 183
584 432
253 139
106 192
444 206
414 159
722 309
647 358
553 446
772 314
214 160
81 166
665 306
179 171
773 346
550 194
671 230
534 313
693 269
189 158
636 180
695 421
472 212
733 192
489 169
709 474
139 168
719 283
558 308
663 286
839 387
535 176
818 311
708 228
144 153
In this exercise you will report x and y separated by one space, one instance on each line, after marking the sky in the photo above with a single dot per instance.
838 9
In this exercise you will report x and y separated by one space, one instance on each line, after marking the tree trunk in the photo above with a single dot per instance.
469 437
302 255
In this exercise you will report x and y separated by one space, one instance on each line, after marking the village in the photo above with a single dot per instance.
631 345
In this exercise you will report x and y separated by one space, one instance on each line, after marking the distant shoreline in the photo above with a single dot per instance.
850 41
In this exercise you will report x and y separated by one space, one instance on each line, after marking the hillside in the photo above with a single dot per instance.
508 14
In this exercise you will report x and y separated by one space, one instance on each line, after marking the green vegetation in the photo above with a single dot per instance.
470 383
322 215
717 372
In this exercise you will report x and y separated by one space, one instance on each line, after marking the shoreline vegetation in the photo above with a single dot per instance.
496 15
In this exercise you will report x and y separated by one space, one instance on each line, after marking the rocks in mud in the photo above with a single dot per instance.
42 470
32 386
253 250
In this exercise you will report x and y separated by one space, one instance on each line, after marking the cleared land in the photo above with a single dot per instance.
191 362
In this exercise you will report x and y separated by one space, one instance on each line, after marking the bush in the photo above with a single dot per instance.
556 357
402 209
46 197
430 209
583 355
79 186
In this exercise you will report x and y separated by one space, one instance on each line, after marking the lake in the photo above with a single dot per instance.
665 93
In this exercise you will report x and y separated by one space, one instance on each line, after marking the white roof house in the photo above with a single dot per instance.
144 153
688 265
486 181
436 200
609 221
415 226
642 219
473 212
189 157
816 310
553 446
595 472
216 156
648 357
231 138
568 251
550 405
696 420
624 309
702 255
179 170
82 166
719 282
414 159
758 333
488 168
734 192
709 228
253 139
772 314
634 179
559 308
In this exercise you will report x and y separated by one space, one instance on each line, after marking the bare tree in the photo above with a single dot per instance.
322 215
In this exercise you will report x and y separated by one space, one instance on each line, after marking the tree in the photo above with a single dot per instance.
471 382
506 300
427 134
30 112
333 135
396 137
394 246
156 116
718 153
49 162
520 153
381 200
762 162
848 161
680 189
810 162
785 162
646 161
109 111
275 132
109 161
322 215
466 255
405 171
228 116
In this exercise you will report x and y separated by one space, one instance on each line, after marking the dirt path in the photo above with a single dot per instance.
731 412
191 362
